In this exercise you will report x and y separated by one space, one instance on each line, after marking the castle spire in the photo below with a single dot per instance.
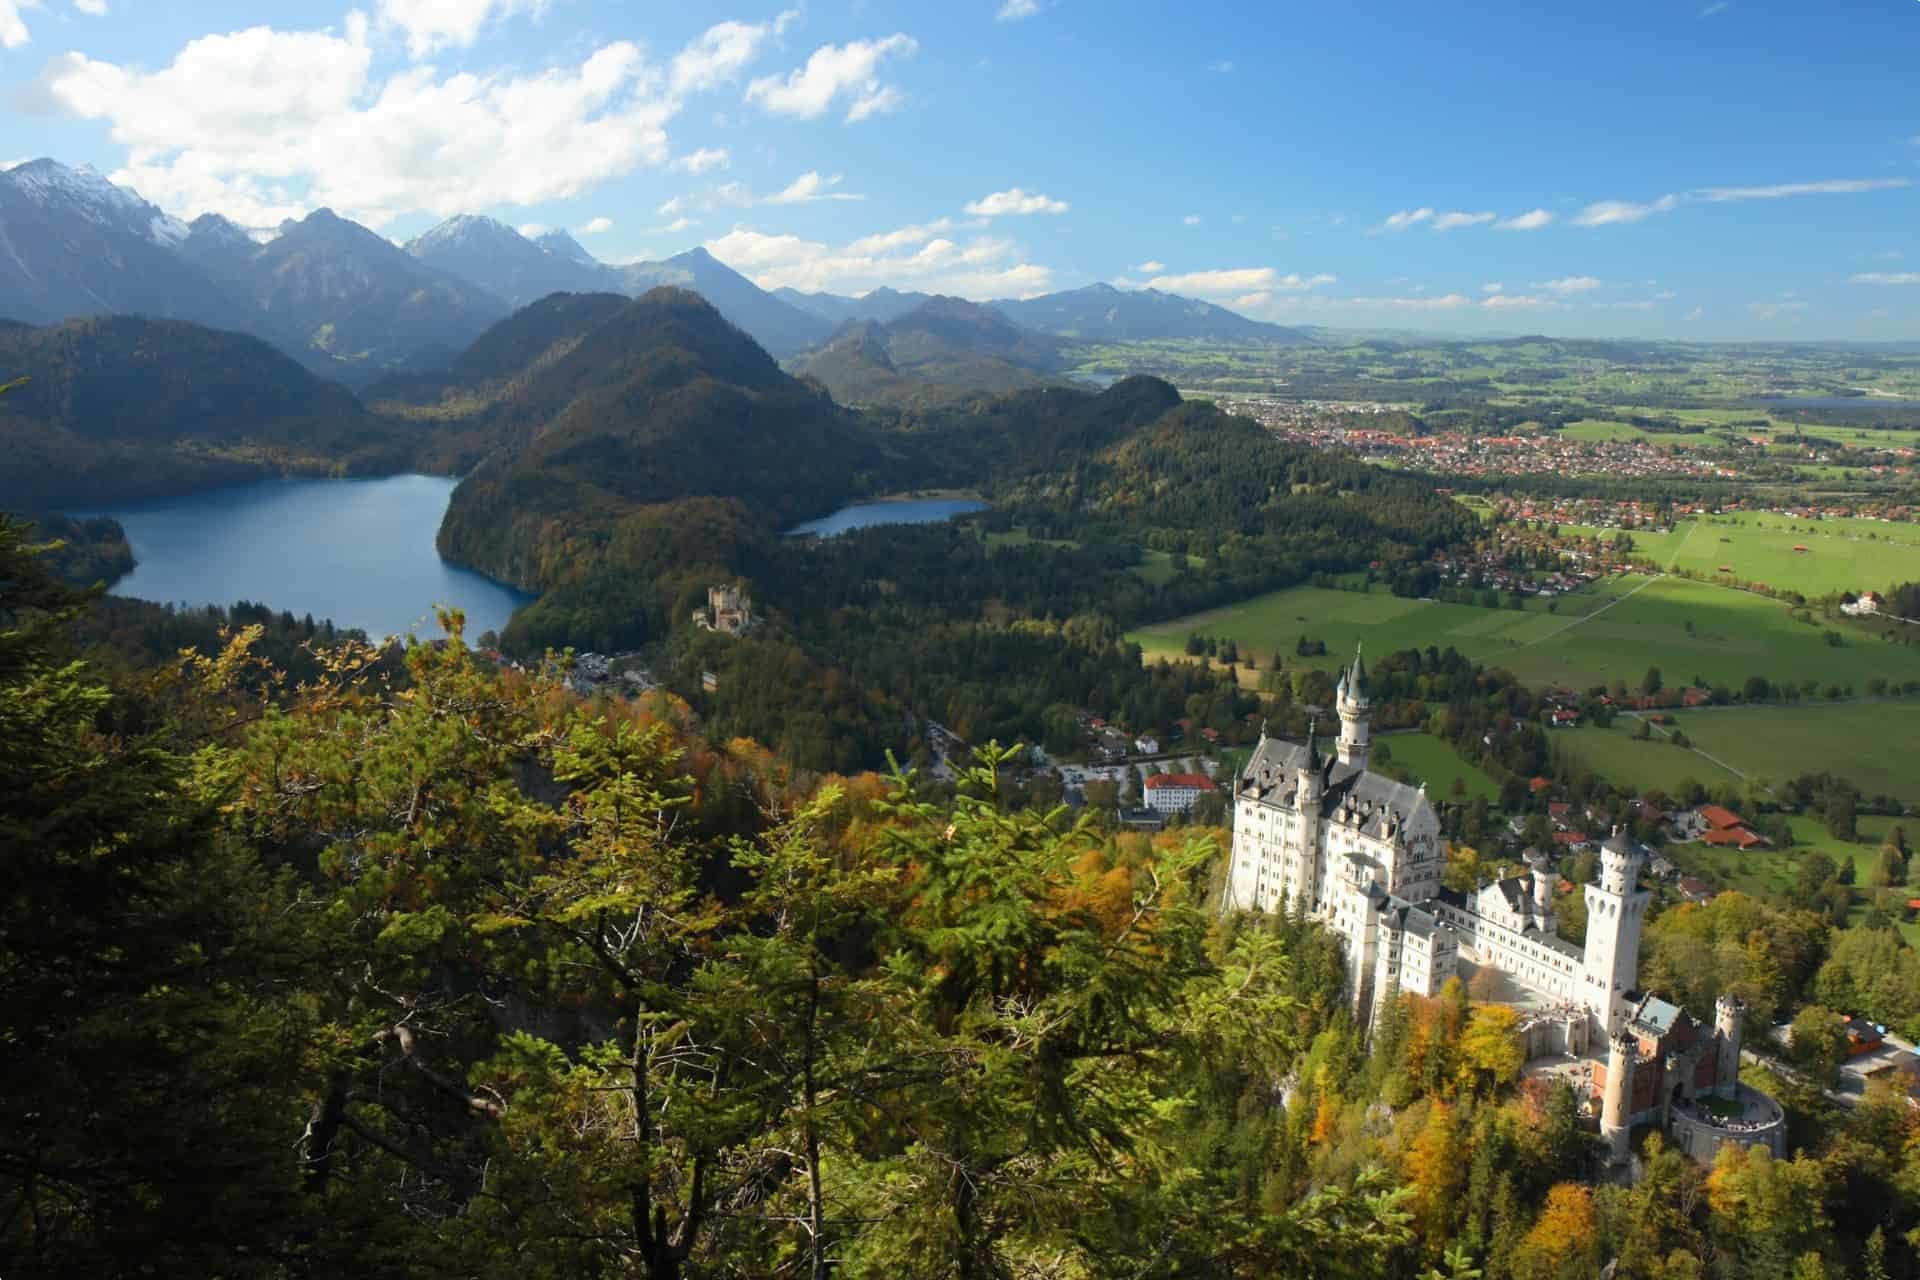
1351 701
1313 743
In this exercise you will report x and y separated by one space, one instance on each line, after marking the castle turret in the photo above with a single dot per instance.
1616 1124
1309 792
1729 1013
1616 909
1545 880
1355 706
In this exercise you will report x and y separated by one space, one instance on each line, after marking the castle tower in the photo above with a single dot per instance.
1309 790
1354 705
1616 1124
1545 881
1729 1012
1616 909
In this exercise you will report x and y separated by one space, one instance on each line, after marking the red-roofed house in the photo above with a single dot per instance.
1177 792
1727 829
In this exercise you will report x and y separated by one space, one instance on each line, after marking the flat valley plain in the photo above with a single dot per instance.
1612 631
1813 557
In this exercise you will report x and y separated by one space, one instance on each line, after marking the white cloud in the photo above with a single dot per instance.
809 187
1452 221
532 230
1191 220
1015 10
13 28
718 55
92 8
677 225
1251 300
1604 213
1445 302
1775 310
983 267
1493 287
1532 220
1518 302
1718 6
264 124
1238 280
1151 267
1015 201
1222 67
595 226
1405 219
1567 284
835 71
705 160
1830 187
1665 295
432 25
1885 277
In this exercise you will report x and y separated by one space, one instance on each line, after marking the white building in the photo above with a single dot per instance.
1326 836
1865 607
1176 792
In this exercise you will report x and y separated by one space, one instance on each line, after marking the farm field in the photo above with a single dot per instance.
1433 761
1598 430
1383 622
1660 547
1613 631
1876 745
1840 555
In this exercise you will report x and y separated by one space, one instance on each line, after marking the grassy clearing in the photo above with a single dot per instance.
1613 631
1840 555
1021 538
1433 761
1157 567
1876 745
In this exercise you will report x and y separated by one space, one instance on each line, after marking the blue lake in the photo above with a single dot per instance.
866 515
360 552
1836 402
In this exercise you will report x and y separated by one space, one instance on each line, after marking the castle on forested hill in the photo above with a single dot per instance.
1323 835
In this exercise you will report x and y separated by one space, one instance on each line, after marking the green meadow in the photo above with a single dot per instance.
1840 555
1612 631
1432 761
1876 745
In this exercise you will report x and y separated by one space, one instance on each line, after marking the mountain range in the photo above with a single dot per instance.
349 303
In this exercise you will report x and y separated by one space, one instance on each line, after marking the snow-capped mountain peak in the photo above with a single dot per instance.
87 192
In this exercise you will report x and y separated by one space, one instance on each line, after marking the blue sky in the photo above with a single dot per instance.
1704 169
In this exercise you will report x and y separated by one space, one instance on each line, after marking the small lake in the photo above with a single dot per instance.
866 515
1837 402
360 552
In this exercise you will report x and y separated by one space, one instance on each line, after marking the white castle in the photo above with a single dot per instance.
1326 837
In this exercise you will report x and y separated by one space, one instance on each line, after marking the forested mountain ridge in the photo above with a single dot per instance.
942 350
652 401
1102 313
782 328
120 408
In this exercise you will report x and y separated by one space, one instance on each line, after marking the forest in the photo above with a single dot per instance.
456 973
